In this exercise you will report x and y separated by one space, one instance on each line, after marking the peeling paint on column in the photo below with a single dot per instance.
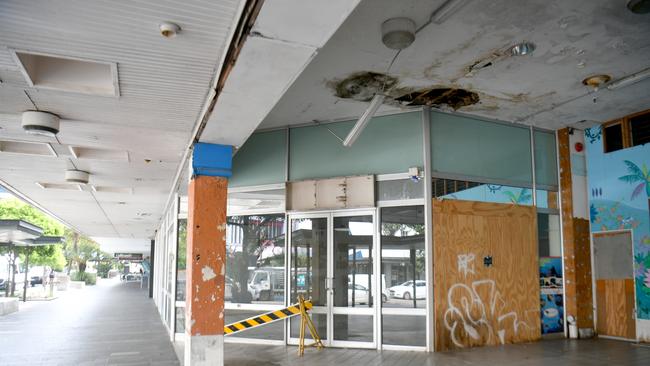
205 242
208 273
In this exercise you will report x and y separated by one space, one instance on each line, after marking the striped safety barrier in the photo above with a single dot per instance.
267 318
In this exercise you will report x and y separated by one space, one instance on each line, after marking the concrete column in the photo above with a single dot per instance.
206 254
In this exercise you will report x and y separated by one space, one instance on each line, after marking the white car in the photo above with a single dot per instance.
360 294
405 290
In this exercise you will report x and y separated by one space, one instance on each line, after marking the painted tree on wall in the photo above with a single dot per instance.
519 198
638 175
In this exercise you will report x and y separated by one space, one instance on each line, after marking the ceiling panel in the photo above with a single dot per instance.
574 39
163 86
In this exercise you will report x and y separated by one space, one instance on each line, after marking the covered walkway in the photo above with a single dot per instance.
559 352
112 323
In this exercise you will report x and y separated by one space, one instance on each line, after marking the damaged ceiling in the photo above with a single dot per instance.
466 64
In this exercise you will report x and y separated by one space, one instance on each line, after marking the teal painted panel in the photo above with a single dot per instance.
481 149
545 158
389 144
261 160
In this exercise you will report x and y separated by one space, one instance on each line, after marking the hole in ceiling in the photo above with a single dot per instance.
453 97
362 86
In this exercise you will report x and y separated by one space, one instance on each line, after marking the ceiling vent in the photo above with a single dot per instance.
40 123
76 176
70 74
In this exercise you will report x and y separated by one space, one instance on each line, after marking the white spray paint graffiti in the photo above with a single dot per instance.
467 313
466 263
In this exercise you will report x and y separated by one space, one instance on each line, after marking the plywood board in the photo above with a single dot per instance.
615 304
478 305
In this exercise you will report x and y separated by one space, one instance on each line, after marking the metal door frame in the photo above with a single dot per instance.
330 310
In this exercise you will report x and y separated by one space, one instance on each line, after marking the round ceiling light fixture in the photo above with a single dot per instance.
596 81
639 6
522 49
398 33
169 29
40 123
77 176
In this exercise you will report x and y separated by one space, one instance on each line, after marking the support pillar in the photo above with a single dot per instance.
578 301
206 254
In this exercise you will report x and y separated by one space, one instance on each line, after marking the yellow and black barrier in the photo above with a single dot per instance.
267 318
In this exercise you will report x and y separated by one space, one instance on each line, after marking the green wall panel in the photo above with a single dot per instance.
389 144
261 160
471 147
545 158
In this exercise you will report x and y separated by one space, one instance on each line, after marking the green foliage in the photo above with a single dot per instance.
103 268
182 244
89 278
53 257
79 249
47 255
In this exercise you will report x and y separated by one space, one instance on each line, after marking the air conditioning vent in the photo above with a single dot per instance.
77 176
40 123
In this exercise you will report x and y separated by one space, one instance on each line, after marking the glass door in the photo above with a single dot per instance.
331 262
308 271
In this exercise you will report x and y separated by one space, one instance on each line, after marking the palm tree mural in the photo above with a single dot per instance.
520 198
640 175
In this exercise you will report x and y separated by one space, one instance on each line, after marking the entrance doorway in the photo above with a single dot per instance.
613 271
331 262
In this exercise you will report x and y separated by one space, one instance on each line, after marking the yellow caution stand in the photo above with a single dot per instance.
297 309
305 321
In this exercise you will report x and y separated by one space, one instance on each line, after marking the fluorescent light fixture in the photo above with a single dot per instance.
629 80
375 103
446 10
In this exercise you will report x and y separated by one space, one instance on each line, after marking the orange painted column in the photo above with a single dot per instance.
206 260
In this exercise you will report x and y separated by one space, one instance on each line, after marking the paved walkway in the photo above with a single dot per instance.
112 323
558 352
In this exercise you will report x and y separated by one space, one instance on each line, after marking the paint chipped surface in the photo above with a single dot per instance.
208 273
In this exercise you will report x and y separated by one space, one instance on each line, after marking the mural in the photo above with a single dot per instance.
619 198
552 302
501 194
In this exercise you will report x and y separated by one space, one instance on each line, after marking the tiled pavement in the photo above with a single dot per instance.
112 323
117 324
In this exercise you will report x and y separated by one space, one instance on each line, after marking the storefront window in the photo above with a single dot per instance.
181 263
255 259
403 257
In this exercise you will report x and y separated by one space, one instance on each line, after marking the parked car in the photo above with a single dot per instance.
405 290
266 283
3 284
360 295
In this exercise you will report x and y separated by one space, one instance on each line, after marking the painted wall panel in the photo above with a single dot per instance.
471 147
475 304
619 197
261 160
389 144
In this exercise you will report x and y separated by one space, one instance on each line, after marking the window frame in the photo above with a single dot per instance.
626 130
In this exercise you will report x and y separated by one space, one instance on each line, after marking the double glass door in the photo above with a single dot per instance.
331 262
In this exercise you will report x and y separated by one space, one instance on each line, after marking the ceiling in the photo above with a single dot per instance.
163 84
574 39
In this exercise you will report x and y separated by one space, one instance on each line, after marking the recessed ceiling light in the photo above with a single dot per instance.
596 81
522 49
639 6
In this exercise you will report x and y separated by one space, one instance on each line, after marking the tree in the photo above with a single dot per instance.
50 255
520 198
79 249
